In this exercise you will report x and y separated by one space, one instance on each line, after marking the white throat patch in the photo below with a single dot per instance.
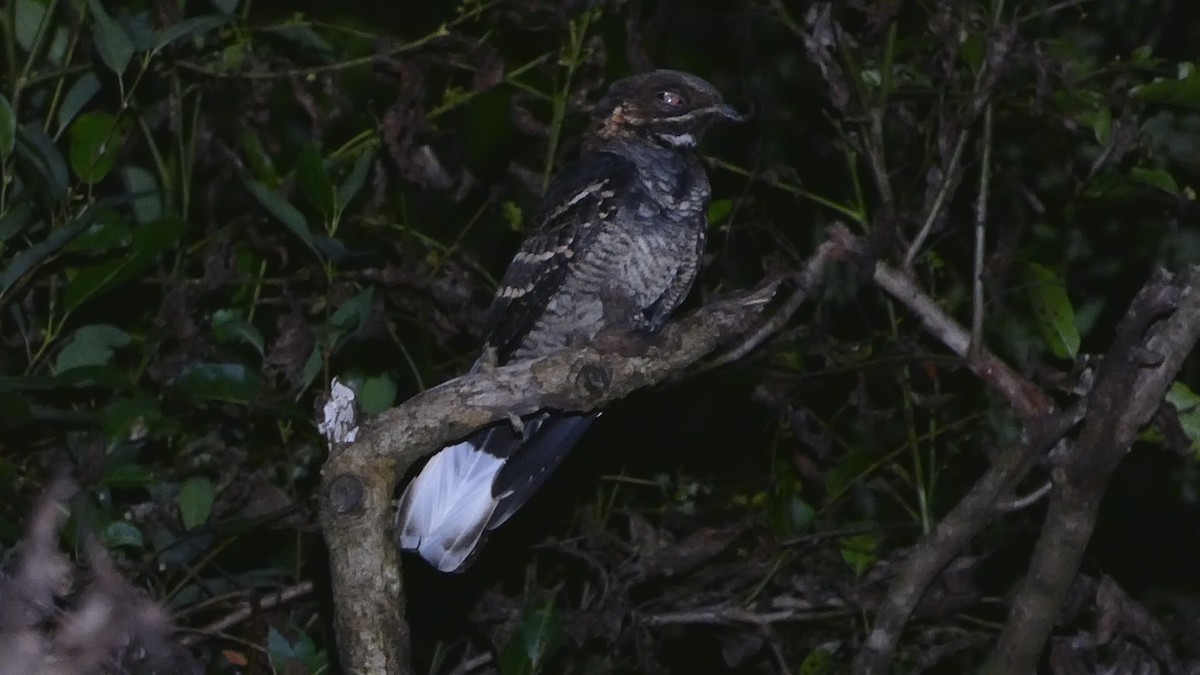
679 140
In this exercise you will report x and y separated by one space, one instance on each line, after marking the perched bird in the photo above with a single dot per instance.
614 245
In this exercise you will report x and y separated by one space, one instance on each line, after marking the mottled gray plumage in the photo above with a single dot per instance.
615 245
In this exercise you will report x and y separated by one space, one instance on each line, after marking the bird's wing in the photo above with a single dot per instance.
576 206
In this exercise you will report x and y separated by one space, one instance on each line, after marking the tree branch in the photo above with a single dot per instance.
1129 388
358 480
1030 402
954 532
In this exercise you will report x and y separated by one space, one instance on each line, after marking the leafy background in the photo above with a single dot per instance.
210 209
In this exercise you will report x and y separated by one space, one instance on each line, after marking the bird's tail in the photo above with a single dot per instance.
477 484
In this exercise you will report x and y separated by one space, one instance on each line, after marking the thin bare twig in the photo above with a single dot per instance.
805 282
1026 500
472 664
981 211
724 615
949 180
283 596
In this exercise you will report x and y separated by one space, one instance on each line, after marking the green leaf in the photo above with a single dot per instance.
112 42
279 649
78 95
194 26
314 180
332 249
262 165
15 410
95 141
26 260
538 638
122 533
859 552
301 656
29 15
141 31
230 382
304 37
1100 121
852 467
972 49
145 199
354 180
1052 306
312 367
1156 178
376 394
196 497
353 313
1187 407
512 215
8 128
820 661
110 231
229 326
128 475
36 147
1108 184
796 516
130 418
284 212
1183 92
149 241
13 222
91 345
718 210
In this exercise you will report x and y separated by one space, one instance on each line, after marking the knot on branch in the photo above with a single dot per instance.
593 380
345 494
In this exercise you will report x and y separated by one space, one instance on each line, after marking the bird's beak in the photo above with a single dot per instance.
729 113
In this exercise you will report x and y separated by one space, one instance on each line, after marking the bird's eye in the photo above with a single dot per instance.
671 98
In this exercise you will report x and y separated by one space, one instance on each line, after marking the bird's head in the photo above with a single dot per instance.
666 106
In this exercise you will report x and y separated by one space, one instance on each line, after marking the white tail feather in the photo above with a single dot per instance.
444 510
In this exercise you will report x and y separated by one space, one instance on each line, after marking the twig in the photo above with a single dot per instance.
805 282
421 42
949 181
981 211
280 597
724 615
767 179
875 145
1026 500
472 664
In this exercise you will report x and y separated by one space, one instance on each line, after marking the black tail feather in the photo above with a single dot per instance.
548 442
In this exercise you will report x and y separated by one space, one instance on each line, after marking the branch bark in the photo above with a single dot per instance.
358 480
1159 330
